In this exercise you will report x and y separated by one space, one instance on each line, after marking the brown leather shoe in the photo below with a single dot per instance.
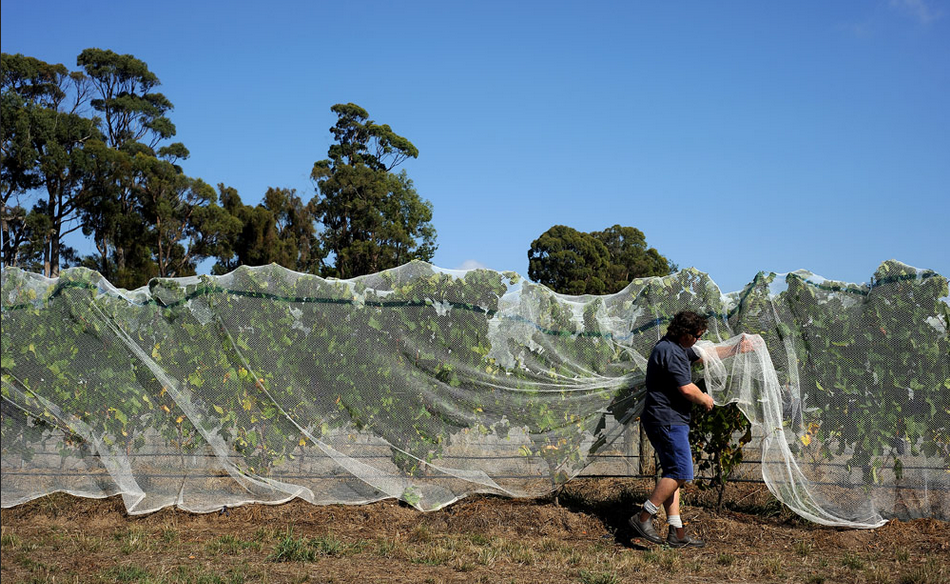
673 541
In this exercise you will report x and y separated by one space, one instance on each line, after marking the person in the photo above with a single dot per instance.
665 419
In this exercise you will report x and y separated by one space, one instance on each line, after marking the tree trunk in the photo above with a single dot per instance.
55 248
46 253
6 249
162 263
52 209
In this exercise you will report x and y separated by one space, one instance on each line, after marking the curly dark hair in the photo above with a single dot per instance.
686 322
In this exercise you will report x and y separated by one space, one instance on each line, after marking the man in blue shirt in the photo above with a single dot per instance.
671 394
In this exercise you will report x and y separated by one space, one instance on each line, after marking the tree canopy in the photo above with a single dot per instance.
42 152
280 230
372 218
89 149
602 262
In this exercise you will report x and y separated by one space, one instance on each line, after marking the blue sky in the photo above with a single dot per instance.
737 136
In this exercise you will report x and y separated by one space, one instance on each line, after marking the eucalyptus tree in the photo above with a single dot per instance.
184 222
298 247
372 219
43 139
280 230
125 98
134 122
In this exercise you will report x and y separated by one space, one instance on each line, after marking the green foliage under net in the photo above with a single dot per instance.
428 385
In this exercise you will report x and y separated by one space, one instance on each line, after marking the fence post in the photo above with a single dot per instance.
631 448
647 460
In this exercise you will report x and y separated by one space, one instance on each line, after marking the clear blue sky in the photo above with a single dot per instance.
738 136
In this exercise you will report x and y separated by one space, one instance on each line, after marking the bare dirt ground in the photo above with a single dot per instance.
577 537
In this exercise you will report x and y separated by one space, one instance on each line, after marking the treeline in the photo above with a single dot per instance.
91 149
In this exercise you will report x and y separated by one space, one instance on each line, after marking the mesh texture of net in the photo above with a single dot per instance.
265 385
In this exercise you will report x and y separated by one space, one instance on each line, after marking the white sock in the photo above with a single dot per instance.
675 521
650 508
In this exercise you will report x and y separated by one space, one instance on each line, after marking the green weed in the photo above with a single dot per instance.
852 561
803 548
480 539
432 555
328 545
928 573
263 534
184 575
879 575
725 559
772 567
420 534
170 536
10 540
462 565
550 545
487 556
517 553
293 549
385 548
598 577
129 574
667 559
695 566
29 563
132 540
575 558
231 545
88 543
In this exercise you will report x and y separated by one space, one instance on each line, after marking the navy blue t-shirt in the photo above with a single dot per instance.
667 370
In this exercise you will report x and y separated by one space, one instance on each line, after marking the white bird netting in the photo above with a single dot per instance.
428 385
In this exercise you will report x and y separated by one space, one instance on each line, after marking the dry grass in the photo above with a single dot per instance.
481 539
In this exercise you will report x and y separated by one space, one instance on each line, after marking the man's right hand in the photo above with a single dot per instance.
696 395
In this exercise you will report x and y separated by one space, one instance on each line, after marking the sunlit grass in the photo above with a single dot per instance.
164 552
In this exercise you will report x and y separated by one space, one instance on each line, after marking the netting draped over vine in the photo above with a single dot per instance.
428 385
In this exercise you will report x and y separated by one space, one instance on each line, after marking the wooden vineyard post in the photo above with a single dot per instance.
647 460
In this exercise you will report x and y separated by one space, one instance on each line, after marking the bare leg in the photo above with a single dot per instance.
672 506
665 493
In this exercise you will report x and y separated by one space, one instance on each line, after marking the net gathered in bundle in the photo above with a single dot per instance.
428 385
